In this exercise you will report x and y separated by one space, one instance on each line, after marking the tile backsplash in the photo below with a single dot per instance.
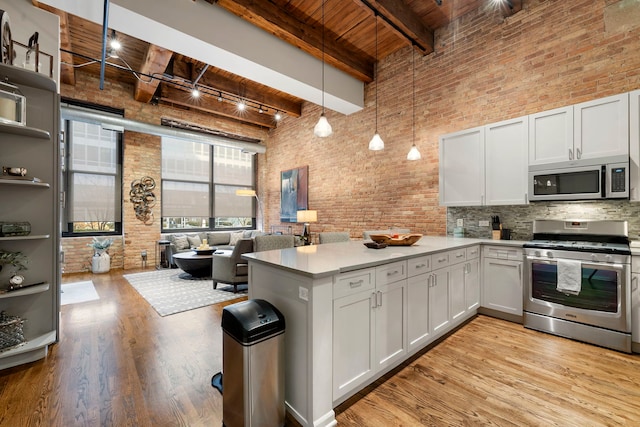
519 218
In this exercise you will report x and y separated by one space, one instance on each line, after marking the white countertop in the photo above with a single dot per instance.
331 258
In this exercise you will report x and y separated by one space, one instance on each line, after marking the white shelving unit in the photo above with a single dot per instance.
36 148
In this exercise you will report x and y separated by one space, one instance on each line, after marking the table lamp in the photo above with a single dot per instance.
306 217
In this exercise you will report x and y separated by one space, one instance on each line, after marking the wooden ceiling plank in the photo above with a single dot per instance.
155 62
250 92
67 71
272 19
407 21
210 105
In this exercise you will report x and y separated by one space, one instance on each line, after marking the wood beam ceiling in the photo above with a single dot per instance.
274 20
155 62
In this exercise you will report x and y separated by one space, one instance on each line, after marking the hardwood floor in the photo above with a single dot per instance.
120 364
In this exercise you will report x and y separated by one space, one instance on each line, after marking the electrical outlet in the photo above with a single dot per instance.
460 223
303 293
484 223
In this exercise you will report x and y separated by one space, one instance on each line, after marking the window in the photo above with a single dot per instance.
199 182
92 180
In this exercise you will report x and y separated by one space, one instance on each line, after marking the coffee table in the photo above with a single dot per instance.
194 264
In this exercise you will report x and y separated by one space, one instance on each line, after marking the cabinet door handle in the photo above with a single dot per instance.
578 153
374 299
570 154
356 284
634 283
429 280
520 272
379 304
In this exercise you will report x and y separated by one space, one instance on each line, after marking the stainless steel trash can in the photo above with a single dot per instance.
253 365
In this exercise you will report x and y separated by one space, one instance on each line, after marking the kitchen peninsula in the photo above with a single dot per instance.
354 313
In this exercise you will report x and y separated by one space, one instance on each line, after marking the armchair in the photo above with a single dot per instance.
230 267
274 241
334 236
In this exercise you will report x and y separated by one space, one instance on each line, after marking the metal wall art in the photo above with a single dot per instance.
143 198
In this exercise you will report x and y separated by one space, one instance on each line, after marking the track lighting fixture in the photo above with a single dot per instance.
114 43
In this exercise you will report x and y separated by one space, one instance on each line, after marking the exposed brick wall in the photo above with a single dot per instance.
485 69
142 157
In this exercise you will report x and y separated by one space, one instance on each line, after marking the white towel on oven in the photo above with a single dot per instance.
569 276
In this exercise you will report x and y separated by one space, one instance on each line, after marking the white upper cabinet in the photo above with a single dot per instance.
601 127
551 136
634 145
506 162
581 132
462 168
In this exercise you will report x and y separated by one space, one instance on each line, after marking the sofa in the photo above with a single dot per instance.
225 240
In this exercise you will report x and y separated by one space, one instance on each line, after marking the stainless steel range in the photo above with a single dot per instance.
579 281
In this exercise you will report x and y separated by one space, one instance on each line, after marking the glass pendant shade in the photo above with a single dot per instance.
322 128
414 154
376 143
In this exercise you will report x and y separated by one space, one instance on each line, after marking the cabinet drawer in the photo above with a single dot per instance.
457 256
390 273
502 252
419 265
353 282
473 252
440 260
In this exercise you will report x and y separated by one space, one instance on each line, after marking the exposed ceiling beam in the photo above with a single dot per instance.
172 95
155 62
226 84
270 18
401 19
216 37
67 72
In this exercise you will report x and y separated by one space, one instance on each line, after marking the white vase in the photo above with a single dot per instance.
101 262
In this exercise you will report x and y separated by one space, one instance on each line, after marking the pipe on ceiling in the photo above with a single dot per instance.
135 126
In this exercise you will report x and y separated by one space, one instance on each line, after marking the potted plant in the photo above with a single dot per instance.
101 261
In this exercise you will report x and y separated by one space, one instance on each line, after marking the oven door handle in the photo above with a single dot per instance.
634 283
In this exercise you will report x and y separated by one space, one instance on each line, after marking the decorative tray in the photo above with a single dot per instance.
205 251
375 245
396 240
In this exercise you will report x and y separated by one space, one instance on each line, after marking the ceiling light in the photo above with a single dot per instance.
114 43
260 110
195 92
277 116
322 129
376 142
241 106
414 154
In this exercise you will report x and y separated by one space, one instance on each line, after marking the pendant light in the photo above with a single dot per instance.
414 154
322 128
376 142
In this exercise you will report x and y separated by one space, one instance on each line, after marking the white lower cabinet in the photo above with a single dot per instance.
502 279
369 321
418 325
383 314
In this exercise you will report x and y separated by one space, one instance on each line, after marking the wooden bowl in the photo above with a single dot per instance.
401 240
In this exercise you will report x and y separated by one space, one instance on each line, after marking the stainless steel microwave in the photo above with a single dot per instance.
595 180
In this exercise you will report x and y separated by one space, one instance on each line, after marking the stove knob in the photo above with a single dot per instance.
594 257
608 258
549 254
537 253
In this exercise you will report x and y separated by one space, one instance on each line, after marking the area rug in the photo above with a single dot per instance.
171 291
77 292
